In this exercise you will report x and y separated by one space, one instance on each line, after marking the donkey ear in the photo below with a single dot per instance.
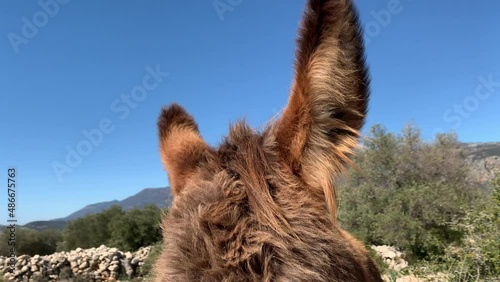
181 147
328 102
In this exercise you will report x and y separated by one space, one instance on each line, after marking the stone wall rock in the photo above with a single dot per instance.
392 257
94 264
110 264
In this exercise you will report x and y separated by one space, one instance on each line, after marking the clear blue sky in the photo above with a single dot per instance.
66 77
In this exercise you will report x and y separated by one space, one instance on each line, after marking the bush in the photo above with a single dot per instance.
91 230
31 242
406 192
125 230
147 268
136 228
477 256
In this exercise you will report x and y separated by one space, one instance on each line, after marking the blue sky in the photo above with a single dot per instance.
430 63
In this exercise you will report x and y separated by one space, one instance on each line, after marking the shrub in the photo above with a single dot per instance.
147 268
406 191
477 256
31 242
125 230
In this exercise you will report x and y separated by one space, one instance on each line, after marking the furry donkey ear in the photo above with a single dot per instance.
328 102
181 146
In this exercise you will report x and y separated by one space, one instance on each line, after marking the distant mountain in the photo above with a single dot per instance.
161 197
157 196
90 209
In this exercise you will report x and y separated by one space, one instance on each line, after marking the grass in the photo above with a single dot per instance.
147 268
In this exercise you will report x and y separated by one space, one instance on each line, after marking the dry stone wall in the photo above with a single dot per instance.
95 264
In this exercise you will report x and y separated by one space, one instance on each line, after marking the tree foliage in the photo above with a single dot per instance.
30 242
477 256
126 230
405 191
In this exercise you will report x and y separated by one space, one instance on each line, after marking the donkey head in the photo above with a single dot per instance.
261 206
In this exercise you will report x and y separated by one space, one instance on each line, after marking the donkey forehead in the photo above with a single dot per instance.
245 145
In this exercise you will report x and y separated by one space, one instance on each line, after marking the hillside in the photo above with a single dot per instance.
41 225
90 209
484 159
157 196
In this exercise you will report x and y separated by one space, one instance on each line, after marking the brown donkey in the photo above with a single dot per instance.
261 206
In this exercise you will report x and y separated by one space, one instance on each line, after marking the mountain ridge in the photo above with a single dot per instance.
161 197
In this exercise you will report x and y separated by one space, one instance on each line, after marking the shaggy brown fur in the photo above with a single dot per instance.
261 207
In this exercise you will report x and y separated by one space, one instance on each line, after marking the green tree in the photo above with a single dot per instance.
127 230
48 240
477 256
137 227
90 231
406 191
31 242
